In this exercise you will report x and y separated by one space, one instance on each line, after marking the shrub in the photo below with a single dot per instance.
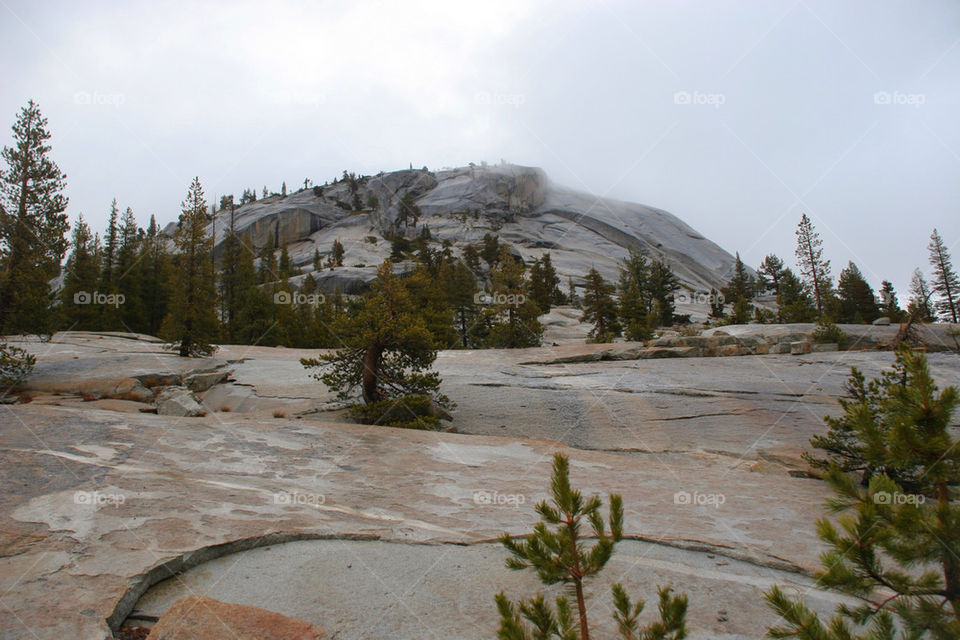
15 365
828 332
412 411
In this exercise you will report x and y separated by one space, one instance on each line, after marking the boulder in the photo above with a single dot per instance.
178 401
131 389
799 348
200 382
882 322
202 618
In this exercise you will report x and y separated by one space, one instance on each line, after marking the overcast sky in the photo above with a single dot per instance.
735 116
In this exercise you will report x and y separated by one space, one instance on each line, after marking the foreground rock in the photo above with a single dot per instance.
201 618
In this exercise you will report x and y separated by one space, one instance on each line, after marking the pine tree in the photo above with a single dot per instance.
111 240
285 266
512 320
491 250
740 290
283 189
889 306
919 306
191 325
556 550
461 287
945 284
898 541
387 349
599 308
857 302
80 276
268 268
813 267
337 253
661 287
793 302
33 227
771 272
129 275
544 283
408 211
634 303
156 270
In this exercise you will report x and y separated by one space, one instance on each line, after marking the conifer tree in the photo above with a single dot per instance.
471 257
191 324
432 304
237 278
285 266
461 287
558 553
814 269
129 275
889 306
897 546
491 250
946 283
336 253
33 226
740 290
599 308
634 302
512 319
386 353
793 302
81 273
544 284
771 272
661 286
919 306
857 302
156 270
111 240
267 259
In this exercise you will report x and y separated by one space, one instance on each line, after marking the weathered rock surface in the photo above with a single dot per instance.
99 505
460 205
179 402
202 618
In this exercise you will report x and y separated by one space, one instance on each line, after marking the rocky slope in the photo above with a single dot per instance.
520 204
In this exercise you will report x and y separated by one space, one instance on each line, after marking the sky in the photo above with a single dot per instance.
736 116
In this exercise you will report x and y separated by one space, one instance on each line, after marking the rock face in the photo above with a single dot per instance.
178 401
200 618
460 205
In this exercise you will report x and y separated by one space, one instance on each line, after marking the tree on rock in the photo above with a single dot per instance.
740 291
946 284
33 227
599 308
80 277
813 267
858 304
771 273
896 544
634 297
191 325
919 306
386 354
557 551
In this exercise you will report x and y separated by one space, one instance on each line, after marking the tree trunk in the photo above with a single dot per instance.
371 372
582 607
